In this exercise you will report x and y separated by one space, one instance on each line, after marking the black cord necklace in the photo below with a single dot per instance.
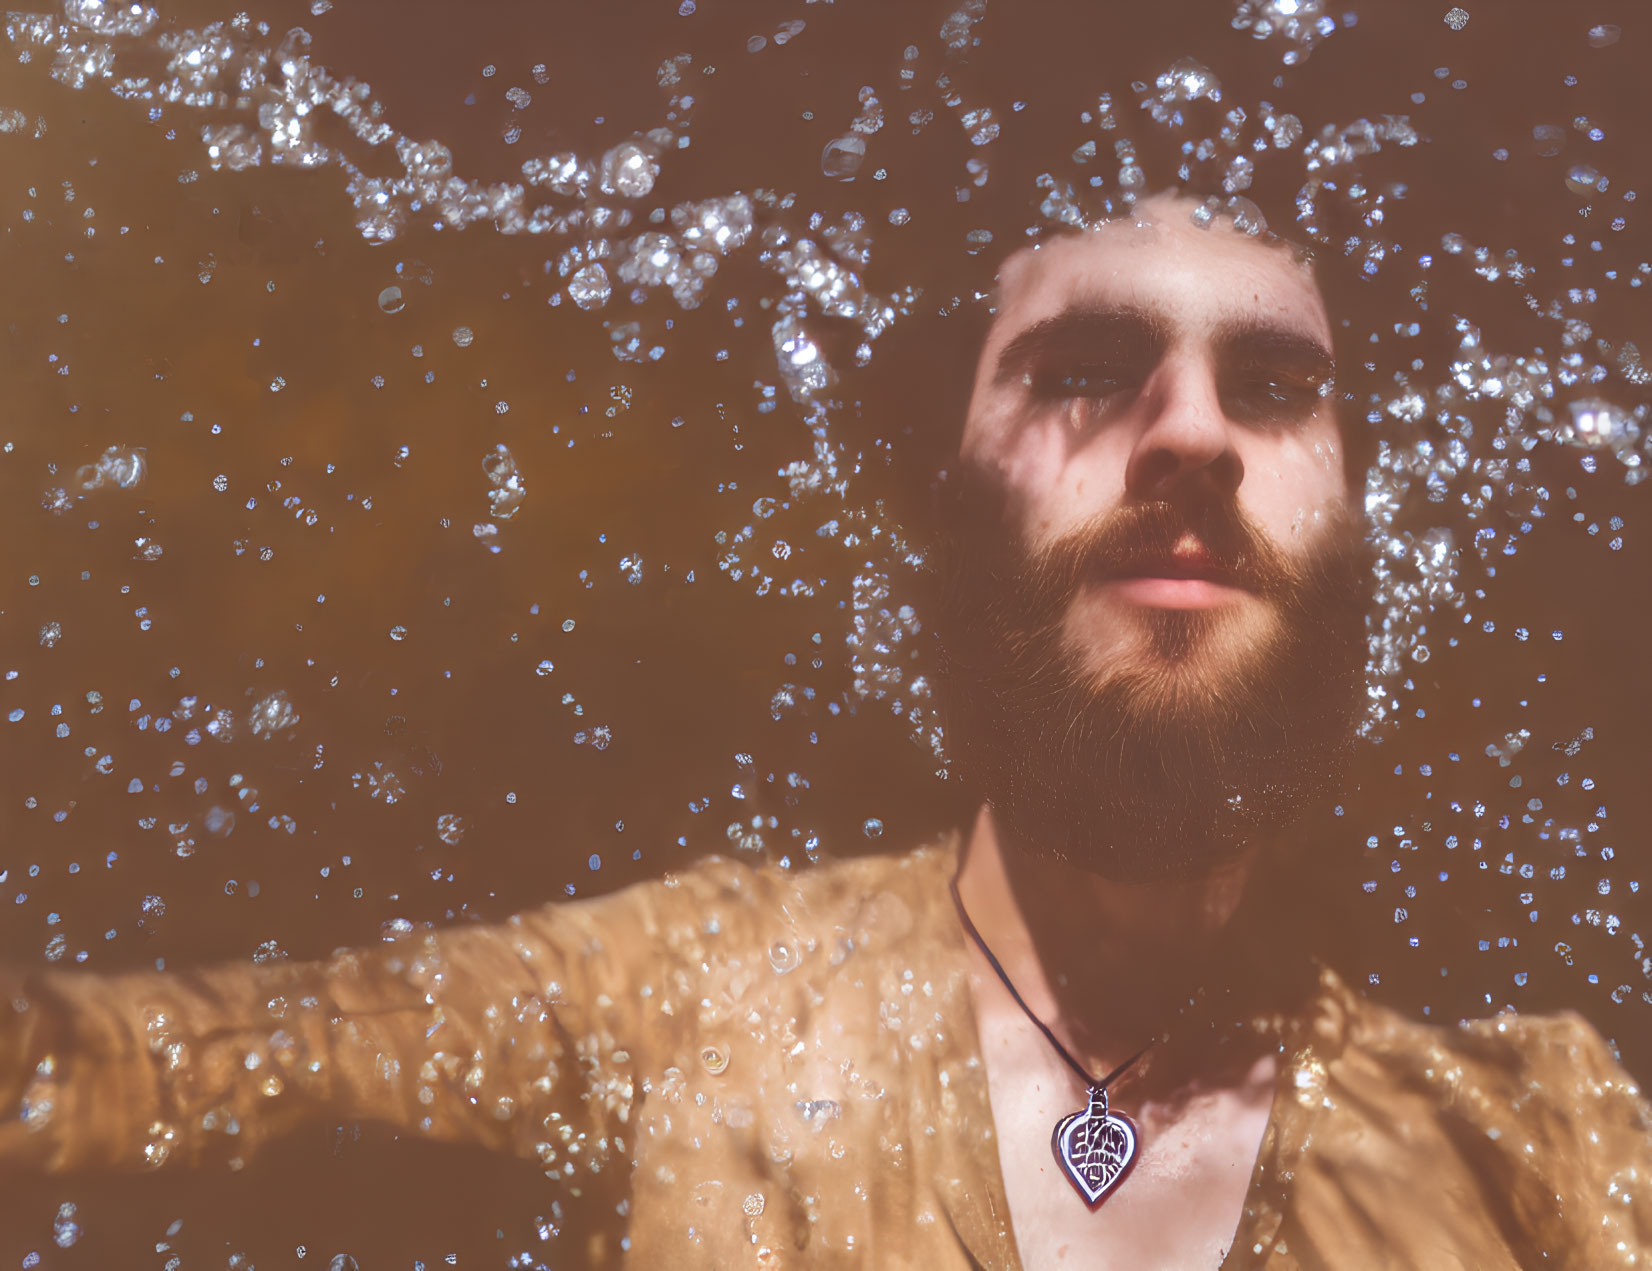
1094 1147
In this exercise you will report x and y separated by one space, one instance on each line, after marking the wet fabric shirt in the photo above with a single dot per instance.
774 1068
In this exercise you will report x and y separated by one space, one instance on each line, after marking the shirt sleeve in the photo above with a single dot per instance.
1572 1134
520 1037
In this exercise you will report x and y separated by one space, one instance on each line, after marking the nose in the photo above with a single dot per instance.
1186 443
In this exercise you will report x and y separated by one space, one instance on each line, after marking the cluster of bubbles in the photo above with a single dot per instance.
1462 440
1452 470
1456 486
269 103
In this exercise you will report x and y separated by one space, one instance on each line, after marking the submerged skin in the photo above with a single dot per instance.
1184 410
818 1069
1182 330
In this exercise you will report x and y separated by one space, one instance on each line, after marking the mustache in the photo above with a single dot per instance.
1211 539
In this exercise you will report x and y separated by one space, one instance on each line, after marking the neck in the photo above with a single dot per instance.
1104 964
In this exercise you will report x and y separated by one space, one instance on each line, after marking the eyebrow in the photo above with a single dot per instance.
1080 328
1143 333
1260 342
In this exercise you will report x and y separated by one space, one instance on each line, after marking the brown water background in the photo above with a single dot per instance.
230 325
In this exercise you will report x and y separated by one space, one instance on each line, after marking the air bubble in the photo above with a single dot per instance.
842 158
1583 180
1596 422
589 288
65 1229
507 487
118 467
629 171
391 300
272 715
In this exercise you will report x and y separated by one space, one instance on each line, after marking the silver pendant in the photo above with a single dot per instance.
1095 1147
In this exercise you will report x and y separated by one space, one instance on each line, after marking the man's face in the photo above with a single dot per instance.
1166 617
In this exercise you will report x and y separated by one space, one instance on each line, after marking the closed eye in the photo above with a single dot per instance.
1259 395
1065 383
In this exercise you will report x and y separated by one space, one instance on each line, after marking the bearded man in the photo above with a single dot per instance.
1082 1032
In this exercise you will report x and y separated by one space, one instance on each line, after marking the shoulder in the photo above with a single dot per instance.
1530 1067
1532 1114
731 896
722 908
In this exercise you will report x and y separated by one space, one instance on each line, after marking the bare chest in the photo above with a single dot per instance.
1180 1203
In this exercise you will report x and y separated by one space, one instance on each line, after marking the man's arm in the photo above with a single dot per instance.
521 1037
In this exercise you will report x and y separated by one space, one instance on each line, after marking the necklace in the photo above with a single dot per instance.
1095 1147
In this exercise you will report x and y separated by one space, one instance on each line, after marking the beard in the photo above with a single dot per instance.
1157 748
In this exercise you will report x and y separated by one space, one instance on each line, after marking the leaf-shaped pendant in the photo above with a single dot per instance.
1095 1147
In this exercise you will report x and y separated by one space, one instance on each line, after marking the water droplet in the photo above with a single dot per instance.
50 634
450 828
1605 34
816 1111
714 1059
1456 19
753 1205
873 828
398 633
390 299
462 336
784 956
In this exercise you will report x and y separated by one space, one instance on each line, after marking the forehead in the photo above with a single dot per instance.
1195 279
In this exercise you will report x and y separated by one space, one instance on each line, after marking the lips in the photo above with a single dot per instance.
1188 560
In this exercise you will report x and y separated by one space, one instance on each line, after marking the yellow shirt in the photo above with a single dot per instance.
778 1068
